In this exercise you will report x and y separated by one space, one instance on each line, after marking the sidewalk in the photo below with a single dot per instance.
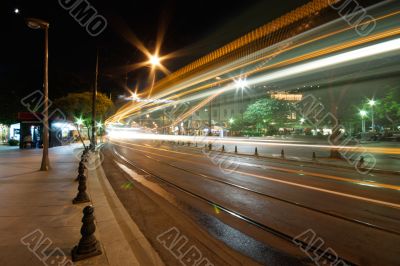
40 204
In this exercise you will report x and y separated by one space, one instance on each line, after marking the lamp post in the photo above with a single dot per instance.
94 96
372 103
35 23
363 114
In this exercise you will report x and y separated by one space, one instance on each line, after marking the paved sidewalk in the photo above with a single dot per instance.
40 204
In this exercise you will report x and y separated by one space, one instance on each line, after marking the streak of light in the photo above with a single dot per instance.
229 67
195 108
301 44
356 54
128 134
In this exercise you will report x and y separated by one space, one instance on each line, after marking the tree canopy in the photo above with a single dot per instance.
80 105
388 108
266 111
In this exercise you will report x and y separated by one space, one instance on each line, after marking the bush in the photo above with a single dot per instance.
13 142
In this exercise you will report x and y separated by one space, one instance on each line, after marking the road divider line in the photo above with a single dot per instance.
385 203
287 170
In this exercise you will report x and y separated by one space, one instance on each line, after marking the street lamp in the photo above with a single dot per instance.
372 103
35 23
79 121
154 60
363 114
99 126
242 85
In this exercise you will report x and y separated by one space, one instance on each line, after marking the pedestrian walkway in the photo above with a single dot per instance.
36 207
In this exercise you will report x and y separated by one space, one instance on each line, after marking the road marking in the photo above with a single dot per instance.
389 204
287 170
326 176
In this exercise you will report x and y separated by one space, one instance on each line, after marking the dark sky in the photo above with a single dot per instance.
193 27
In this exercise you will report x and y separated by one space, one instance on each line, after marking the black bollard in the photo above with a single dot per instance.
81 165
88 245
81 170
223 148
282 153
82 196
314 157
360 162
210 146
85 157
235 149
256 152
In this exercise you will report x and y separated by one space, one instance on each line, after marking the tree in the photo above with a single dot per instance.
389 108
267 111
80 105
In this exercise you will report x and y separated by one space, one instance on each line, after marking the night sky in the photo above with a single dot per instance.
193 28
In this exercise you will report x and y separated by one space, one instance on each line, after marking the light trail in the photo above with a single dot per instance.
335 60
126 110
230 67
129 134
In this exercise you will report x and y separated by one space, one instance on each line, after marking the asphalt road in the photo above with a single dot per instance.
244 210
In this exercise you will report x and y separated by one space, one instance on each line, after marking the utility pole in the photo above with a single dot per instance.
45 159
35 23
94 103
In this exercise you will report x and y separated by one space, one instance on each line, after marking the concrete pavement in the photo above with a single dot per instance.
36 207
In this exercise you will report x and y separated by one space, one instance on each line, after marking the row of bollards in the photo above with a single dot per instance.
209 147
88 245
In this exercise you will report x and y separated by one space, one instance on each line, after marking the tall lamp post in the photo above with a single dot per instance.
372 103
94 96
35 23
363 114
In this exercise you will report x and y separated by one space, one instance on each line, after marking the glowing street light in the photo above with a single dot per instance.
16 11
372 103
135 96
231 121
79 121
242 85
363 114
154 60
